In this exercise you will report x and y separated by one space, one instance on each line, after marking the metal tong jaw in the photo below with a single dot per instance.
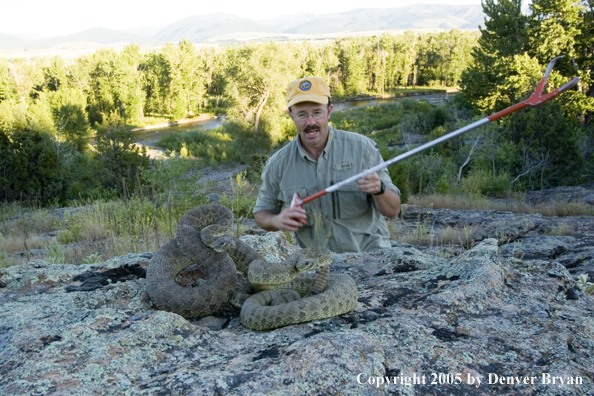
296 202
537 97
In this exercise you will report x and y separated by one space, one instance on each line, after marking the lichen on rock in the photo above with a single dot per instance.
485 312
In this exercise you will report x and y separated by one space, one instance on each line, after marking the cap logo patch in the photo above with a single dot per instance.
305 85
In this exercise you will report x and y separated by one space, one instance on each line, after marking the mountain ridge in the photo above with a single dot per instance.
227 27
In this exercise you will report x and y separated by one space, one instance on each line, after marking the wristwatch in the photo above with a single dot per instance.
383 190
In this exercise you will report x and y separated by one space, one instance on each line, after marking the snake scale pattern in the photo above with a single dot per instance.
287 297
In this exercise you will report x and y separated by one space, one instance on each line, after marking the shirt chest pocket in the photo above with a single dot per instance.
350 202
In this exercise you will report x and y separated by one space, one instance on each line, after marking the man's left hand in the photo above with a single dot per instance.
370 184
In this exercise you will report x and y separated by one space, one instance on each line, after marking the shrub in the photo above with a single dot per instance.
256 167
55 253
482 182
92 259
240 204
32 169
443 185
407 103
584 285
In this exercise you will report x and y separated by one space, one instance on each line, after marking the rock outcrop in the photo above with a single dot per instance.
503 317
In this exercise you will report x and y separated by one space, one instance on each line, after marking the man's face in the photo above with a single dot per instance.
311 120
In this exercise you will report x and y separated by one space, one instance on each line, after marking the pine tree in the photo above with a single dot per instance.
504 36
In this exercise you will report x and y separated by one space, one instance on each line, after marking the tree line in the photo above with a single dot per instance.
49 109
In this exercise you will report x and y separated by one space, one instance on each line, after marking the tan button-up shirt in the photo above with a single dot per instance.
343 221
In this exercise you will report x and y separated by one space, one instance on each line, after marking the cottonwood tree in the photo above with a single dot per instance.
116 84
185 78
377 53
24 78
321 61
352 63
55 74
102 94
258 76
214 65
401 59
132 94
7 90
446 55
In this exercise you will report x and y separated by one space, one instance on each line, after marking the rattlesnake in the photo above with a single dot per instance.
219 259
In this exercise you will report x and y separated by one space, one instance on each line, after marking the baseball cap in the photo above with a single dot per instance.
307 89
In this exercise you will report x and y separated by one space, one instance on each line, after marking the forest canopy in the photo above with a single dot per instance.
65 126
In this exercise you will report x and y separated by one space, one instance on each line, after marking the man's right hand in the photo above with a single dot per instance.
289 219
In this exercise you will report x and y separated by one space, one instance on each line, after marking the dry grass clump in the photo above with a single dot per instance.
425 234
422 234
515 204
28 232
562 229
14 243
440 201
30 224
89 225
565 209
451 236
112 247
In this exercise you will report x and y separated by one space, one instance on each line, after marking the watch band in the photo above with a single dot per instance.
383 189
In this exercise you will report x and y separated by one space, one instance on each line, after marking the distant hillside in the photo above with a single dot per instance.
8 42
95 35
203 27
433 16
222 27
287 22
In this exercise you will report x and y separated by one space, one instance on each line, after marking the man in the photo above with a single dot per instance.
350 219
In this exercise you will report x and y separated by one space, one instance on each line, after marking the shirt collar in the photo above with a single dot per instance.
303 154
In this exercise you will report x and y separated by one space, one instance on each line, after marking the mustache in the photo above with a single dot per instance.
311 128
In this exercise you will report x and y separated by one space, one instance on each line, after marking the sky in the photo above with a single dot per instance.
48 18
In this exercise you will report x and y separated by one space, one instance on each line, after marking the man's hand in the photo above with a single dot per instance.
370 184
290 219
388 203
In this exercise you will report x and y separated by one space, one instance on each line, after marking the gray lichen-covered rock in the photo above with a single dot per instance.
478 224
481 323
556 195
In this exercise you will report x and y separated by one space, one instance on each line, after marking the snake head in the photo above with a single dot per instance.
308 264
313 259
221 244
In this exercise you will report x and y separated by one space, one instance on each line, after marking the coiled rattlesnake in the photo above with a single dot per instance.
200 241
